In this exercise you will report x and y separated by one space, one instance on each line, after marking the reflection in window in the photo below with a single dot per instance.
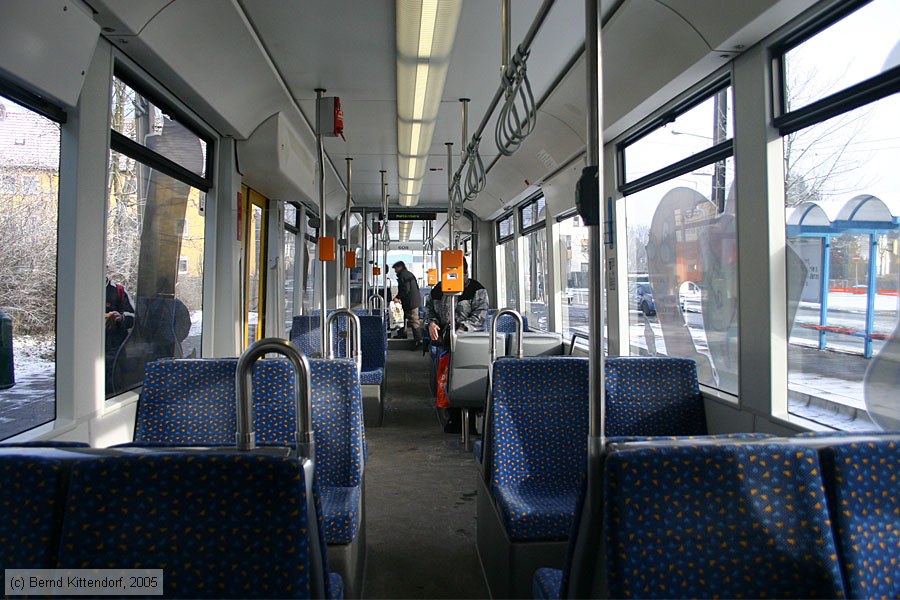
29 184
138 119
573 269
534 259
290 256
682 273
144 248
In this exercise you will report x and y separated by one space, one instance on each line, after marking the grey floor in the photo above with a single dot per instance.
420 495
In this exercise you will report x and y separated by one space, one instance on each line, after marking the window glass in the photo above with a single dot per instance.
508 275
843 271
505 227
573 269
138 119
534 257
852 50
311 272
290 215
533 212
154 310
703 126
682 272
290 253
29 185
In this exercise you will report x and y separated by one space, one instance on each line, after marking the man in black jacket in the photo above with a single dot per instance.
410 298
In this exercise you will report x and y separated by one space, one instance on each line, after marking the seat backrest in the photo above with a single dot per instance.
305 334
192 403
536 343
507 323
467 383
32 498
220 525
539 420
373 342
862 483
653 396
728 520
188 402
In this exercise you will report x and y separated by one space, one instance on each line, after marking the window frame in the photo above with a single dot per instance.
132 149
501 239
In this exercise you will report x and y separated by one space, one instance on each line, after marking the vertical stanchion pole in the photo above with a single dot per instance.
364 243
450 208
346 276
385 242
320 167
584 579
595 230
506 20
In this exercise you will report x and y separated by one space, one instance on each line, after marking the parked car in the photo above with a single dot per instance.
640 297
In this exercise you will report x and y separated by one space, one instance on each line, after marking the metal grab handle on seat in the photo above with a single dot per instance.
576 336
353 335
520 329
373 302
246 434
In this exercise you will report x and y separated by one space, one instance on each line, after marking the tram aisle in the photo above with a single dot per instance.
420 495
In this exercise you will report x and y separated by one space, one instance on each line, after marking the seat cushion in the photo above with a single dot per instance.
374 377
32 496
534 510
340 509
861 479
547 584
335 586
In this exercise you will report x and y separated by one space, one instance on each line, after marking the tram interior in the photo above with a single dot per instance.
684 222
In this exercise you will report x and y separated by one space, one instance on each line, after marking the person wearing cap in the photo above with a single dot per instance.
411 299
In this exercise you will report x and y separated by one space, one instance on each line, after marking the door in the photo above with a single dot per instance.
254 266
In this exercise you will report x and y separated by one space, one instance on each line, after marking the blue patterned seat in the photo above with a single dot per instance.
374 349
305 334
539 435
232 525
653 396
507 323
192 403
547 584
32 497
729 520
862 482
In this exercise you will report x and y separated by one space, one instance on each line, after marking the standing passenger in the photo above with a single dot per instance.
409 296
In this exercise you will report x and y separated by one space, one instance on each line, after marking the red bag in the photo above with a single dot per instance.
443 372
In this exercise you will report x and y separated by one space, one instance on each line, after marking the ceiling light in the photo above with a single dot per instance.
425 33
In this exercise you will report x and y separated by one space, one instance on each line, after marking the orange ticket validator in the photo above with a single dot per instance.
326 249
452 277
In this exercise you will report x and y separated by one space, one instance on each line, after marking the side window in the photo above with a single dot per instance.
29 193
155 237
507 266
681 238
841 140
573 269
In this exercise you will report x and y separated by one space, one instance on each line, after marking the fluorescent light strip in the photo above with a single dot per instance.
426 27
421 89
414 137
